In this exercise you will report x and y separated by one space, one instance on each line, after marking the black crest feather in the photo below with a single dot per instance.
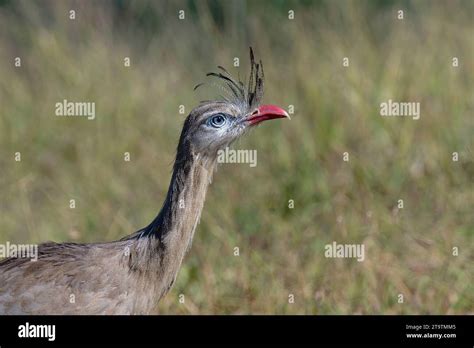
249 97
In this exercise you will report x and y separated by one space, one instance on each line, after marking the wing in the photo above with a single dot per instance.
67 278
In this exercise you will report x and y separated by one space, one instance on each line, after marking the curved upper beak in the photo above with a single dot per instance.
266 112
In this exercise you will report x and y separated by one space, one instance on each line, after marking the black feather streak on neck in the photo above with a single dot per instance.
184 200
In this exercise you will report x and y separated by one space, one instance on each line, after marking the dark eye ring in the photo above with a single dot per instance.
217 120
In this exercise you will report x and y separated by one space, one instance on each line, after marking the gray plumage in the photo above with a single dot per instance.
131 275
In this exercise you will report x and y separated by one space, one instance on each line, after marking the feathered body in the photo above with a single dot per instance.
131 275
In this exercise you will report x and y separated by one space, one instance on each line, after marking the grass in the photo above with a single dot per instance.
408 251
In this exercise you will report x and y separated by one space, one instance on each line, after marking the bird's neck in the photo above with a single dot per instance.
160 247
182 208
173 228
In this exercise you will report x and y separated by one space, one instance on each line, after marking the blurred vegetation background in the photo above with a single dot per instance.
408 251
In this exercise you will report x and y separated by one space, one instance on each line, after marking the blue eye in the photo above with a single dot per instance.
217 120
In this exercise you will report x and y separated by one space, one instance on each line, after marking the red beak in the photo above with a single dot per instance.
266 112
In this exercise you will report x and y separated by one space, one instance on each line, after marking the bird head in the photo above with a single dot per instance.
214 125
